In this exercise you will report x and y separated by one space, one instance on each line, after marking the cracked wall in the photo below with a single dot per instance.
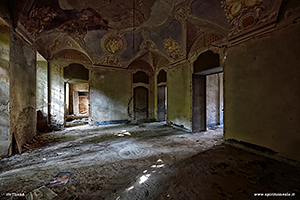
22 93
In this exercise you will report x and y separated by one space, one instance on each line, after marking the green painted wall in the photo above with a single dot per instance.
262 92
110 93
180 95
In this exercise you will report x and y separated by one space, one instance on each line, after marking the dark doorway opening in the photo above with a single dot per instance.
162 96
140 103
162 103
199 103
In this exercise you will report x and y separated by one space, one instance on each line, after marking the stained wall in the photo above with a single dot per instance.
22 92
262 84
4 87
42 84
110 96
180 95
57 93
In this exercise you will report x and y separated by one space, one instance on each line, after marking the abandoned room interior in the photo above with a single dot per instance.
149 99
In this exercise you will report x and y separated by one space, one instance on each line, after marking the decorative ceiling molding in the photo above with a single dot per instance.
234 7
249 17
148 45
205 40
162 62
23 36
140 65
112 60
72 55
183 13
208 24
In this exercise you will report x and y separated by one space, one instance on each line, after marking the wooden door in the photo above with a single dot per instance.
141 103
75 102
199 103
161 103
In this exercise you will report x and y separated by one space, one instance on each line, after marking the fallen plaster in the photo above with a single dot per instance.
144 161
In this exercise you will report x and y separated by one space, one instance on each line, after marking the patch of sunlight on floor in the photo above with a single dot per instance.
144 178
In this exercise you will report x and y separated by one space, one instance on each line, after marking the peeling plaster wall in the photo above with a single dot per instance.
57 93
22 92
180 95
4 89
41 84
262 84
110 93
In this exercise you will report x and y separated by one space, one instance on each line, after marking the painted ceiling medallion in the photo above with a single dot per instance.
113 46
172 48
234 7
171 45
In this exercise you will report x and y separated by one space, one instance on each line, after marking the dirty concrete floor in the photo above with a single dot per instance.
145 161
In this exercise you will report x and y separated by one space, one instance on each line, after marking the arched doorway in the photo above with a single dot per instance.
207 92
76 94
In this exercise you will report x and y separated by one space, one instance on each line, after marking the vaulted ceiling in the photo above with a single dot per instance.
118 32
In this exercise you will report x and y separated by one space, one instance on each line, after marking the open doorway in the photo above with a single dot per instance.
207 92
162 96
141 82
77 104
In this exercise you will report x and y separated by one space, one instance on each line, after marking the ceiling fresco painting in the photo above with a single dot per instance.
117 32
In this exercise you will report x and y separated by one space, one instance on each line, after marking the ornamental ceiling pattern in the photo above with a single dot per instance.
117 32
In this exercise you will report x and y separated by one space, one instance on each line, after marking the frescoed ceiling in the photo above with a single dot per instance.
117 32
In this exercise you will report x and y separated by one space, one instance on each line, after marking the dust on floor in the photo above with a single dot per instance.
144 161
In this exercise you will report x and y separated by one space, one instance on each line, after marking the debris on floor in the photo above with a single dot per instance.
60 179
42 124
156 162
38 141
102 145
122 133
42 193
77 122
